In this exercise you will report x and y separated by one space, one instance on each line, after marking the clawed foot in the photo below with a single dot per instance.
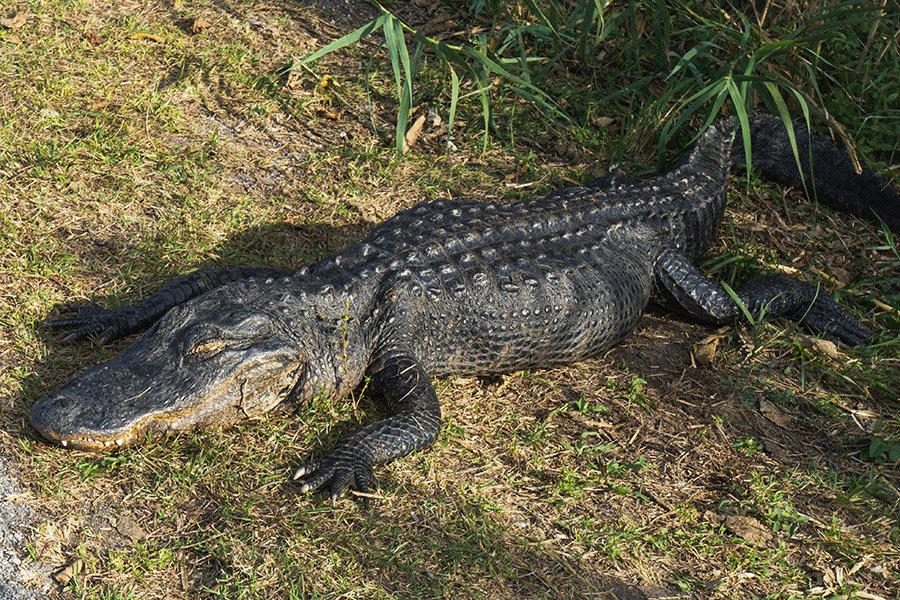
345 468
104 324
826 318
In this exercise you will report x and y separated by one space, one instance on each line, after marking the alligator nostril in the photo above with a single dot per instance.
41 414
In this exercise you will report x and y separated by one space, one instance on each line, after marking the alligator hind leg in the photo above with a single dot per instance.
771 296
404 384
110 324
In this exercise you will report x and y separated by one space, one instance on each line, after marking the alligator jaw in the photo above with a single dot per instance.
66 418
92 444
47 418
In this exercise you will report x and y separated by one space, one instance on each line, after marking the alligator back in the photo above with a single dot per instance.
482 287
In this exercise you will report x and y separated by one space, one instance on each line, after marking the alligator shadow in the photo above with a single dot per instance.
456 529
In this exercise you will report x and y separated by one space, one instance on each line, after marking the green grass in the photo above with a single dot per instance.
693 59
137 160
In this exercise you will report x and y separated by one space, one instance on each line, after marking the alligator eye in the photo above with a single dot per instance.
207 348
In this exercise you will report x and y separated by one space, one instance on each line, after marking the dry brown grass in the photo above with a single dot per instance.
125 160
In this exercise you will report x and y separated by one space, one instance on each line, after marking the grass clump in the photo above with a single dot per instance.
683 61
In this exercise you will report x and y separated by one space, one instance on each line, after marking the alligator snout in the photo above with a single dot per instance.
70 422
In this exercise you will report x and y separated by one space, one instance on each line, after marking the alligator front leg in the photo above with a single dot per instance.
770 296
404 384
110 324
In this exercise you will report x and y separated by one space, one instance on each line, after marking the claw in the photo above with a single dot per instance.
830 320
339 484
71 337
306 469
344 469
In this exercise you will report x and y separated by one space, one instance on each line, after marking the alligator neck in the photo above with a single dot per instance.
336 330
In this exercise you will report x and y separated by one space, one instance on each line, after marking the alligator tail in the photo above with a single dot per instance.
833 180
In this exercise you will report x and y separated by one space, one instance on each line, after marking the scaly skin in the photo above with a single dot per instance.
446 287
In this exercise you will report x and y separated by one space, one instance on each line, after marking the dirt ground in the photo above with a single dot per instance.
137 145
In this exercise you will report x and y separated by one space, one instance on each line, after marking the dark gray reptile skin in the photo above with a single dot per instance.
447 287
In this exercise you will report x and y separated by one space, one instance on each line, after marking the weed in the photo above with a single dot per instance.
748 446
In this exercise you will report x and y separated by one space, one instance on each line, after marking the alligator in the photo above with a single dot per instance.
448 287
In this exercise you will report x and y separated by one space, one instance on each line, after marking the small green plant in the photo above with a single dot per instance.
636 392
586 445
775 503
585 406
615 468
882 450
91 468
748 446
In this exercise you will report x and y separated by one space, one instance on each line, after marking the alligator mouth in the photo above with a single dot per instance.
150 426
93 444
72 419
44 418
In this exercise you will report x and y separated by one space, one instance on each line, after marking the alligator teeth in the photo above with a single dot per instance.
64 443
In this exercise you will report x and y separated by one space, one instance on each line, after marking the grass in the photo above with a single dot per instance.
125 161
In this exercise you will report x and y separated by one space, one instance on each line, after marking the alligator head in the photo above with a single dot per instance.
209 361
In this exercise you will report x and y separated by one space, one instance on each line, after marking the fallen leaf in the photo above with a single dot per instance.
787 269
93 37
826 347
775 451
884 307
130 529
705 350
329 113
749 529
840 275
412 134
439 131
567 149
434 118
774 414
72 569
713 517
294 79
16 21
199 24
326 82
147 36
